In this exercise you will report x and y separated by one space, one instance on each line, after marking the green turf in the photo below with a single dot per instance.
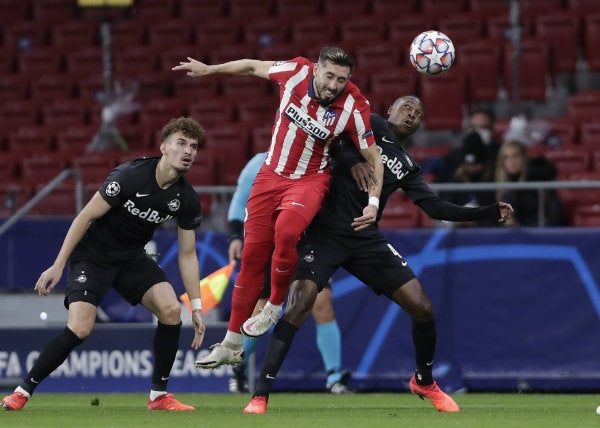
318 410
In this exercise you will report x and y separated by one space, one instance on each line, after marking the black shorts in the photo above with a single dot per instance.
371 259
266 290
89 282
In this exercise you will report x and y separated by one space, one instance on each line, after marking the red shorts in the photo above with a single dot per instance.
272 193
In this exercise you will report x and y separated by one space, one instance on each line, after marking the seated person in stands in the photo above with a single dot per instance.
474 168
514 165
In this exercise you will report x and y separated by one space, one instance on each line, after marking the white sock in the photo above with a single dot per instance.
233 340
155 394
22 391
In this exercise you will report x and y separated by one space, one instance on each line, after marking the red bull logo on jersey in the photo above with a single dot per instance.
150 215
394 165
308 124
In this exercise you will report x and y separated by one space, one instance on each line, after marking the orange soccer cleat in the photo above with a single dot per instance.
440 400
257 405
14 401
168 402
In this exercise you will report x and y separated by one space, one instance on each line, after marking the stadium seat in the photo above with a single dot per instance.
245 87
211 112
480 61
12 11
490 7
169 58
540 6
64 112
596 160
260 139
399 213
402 30
282 52
257 113
203 171
583 8
231 52
149 85
13 87
216 33
94 167
385 87
569 161
393 7
564 129
561 32
590 42
156 114
582 108
440 8
59 202
377 58
263 33
155 10
9 167
533 69
19 112
42 168
138 138
39 61
314 32
123 33
74 140
73 35
249 9
294 8
462 28
51 86
167 34
230 146
134 60
52 11
360 31
85 61
208 10
25 35
444 99
587 216
589 134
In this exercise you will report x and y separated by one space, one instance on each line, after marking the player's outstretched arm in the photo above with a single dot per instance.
240 67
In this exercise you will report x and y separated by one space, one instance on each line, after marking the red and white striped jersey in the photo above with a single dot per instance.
304 129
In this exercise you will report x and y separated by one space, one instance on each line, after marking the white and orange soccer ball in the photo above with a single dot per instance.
432 52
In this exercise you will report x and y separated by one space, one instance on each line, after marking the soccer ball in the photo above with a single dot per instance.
432 52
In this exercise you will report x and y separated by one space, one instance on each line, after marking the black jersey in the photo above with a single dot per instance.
345 200
139 206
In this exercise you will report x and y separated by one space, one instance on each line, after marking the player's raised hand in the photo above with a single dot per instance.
48 280
369 216
193 67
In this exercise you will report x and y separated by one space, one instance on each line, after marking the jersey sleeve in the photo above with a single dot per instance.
359 126
118 185
191 214
281 70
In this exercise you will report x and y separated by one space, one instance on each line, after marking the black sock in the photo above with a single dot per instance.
424 338
279 345
53 355
166 342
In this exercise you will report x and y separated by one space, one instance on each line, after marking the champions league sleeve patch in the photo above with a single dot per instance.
113 188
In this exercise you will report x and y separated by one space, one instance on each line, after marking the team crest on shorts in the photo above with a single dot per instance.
174 205
113 188
309 258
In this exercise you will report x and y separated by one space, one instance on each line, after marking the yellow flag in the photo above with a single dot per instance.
212 288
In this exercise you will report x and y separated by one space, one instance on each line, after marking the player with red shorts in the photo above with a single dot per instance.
318 104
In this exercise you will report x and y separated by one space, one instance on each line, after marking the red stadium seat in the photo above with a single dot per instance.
596 160
314 32
85 61
94 167
13 87
20 112
39 61
385 87
588 216
294 8
264 32
583 8
123 33
12 197
533 69
208 10
441 8
490 7
462 28
590 41
211 112
569 161
480 61
589 134
582 108
360 31
231 53
150 85
249 9
203 171
42 168
134 60
257 113
260 139
444 98
377 58
52 10
245 87
64 112
25 35
9 167
12 11
399 213
155 10
157 113
74 140
73 35
393 7
561 32
59 202
51 86
344 8
216 33
167 34
564 129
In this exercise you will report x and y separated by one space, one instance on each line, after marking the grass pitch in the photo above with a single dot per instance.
306 410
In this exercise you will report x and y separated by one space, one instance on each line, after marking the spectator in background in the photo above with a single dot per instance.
474 168
481 122
514 165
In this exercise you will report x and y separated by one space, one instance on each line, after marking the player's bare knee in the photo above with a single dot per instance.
169 313
82 331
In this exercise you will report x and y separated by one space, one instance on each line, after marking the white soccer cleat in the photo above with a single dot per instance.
220 355
261 323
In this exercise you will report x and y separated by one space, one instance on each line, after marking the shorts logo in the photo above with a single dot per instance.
113 188
81 278
174 205
309 258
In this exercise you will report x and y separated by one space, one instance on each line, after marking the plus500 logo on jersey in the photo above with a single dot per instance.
308 124
150 215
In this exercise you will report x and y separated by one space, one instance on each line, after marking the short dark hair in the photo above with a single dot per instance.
482 110
188 126
337 56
